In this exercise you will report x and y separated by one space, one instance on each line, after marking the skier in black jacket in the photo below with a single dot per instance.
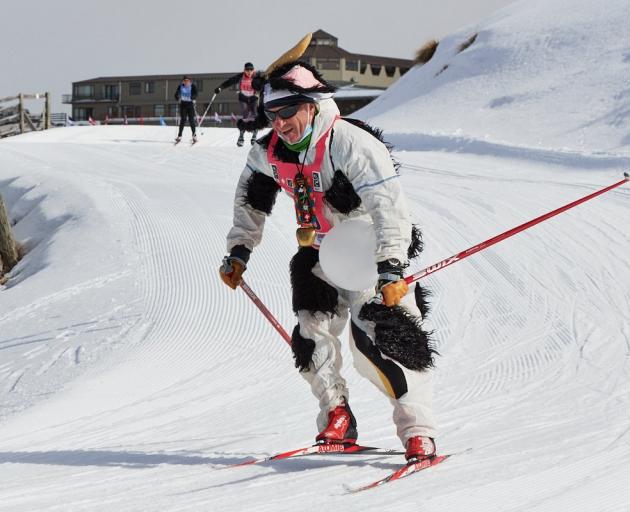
246 96
186 94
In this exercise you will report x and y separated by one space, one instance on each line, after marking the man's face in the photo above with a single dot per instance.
291 129
249 71
187 82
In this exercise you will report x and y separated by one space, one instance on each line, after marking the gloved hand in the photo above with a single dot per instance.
391 284
231 271
217 90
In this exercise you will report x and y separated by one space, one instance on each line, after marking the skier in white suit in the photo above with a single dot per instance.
335 169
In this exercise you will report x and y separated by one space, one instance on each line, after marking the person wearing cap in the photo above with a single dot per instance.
186 94
335 169
246 96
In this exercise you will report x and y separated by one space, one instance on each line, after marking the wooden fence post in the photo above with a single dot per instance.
8 248
47 112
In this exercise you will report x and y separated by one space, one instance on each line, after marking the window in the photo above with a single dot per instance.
110 92
138 111
158 110
390 71
83 114
327 63
129 110
363 68
135 88
112 112
149 87
403 71
84 91
199 85
352 65
376 69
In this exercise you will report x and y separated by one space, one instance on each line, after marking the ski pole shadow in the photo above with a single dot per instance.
106 458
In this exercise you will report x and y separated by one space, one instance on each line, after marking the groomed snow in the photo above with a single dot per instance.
130 375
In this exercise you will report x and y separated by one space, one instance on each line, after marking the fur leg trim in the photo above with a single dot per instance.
303 349
399 335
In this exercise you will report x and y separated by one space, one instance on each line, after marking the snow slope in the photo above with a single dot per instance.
130 376
541 75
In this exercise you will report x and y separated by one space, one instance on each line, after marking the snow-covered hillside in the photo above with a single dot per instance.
130 376
539 75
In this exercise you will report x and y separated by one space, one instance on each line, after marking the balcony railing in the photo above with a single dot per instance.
69 98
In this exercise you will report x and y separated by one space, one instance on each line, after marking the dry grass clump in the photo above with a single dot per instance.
467 43
426 52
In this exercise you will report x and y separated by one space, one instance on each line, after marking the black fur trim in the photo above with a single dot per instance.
303 349
261 192
399 335
310 293
422 295
341 194
277 82
416 246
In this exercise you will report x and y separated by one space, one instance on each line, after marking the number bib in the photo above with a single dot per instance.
306 188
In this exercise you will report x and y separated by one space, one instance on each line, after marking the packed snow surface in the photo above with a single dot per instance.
130 376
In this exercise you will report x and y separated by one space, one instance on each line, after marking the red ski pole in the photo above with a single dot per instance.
249 292
484 245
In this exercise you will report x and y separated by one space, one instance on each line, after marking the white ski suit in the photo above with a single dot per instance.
367 165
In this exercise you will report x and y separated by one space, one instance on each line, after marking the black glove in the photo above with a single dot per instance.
217 90
390 282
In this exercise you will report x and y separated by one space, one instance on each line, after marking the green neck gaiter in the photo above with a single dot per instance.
298 146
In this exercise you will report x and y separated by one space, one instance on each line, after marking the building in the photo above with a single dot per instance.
361 78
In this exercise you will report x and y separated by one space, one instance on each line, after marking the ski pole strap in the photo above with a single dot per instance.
507 234
259 304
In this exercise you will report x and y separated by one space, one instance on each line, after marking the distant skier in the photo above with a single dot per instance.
246 96
186 94
334 168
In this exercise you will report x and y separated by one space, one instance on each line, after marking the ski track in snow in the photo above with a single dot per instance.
533 333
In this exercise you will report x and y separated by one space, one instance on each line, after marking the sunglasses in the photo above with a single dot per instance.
284 113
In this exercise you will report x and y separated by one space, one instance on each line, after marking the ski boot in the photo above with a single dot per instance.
194 139
241 139
342 427
254 137
178 139
419 448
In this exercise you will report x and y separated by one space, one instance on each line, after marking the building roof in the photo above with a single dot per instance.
326 51
194 76
350 92
322 34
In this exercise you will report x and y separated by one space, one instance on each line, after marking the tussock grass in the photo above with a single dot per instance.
467 43
426 52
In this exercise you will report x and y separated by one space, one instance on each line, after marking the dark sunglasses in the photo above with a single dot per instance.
284 113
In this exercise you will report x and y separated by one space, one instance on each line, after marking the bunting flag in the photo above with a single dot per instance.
126 121
91 121
233 117
162 122
107 119
217 118
141 120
